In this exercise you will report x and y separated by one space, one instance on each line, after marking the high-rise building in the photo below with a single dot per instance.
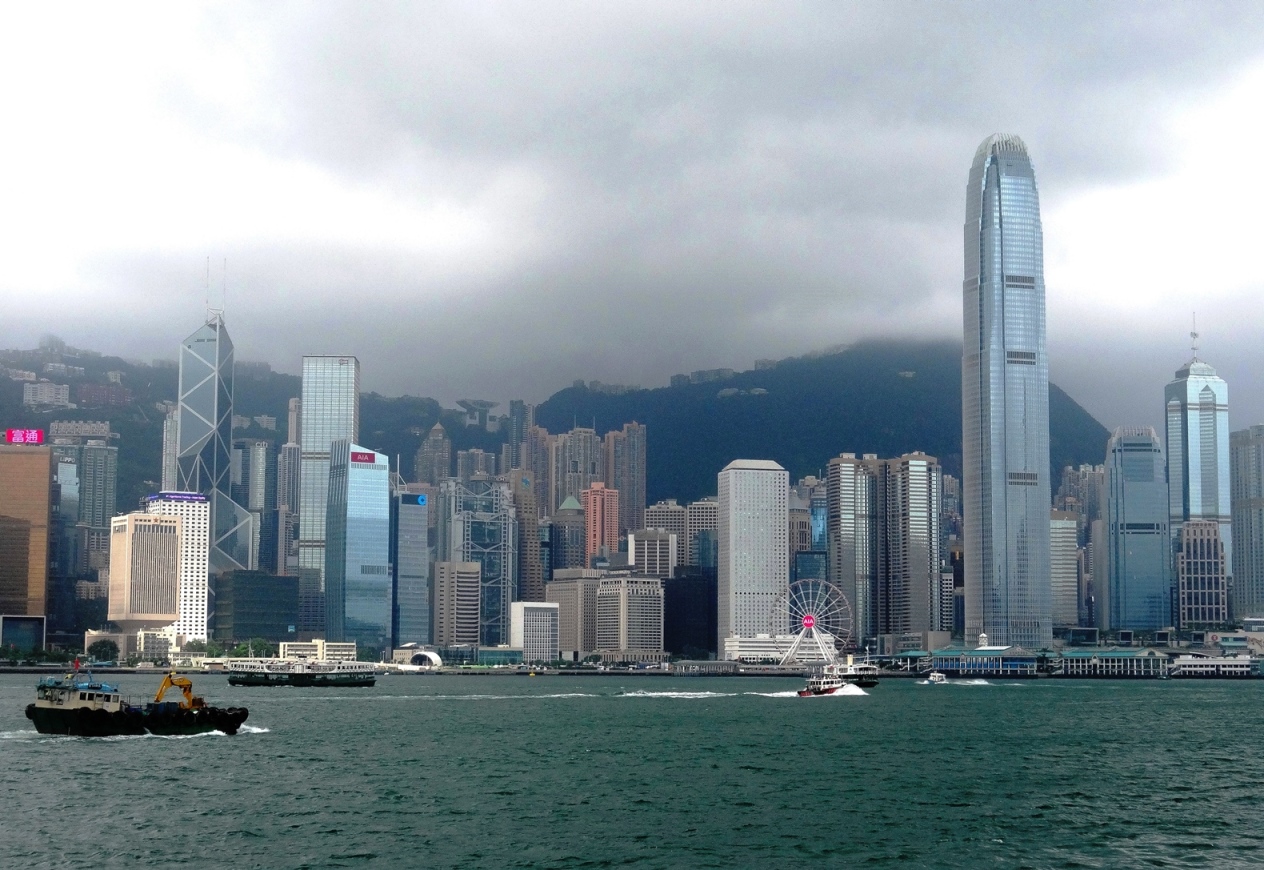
1246 481
358 581
475 462
98 483
1201 582
575 593
624 455
289 464
568 541
885 542
1064 567
1197 421
410 557
1005 402
601 520
254 477
171 449
330 412
144 571
521 418
630 617
26 515
478 523
537 457
577 462
1136 586
194 602
668 516
754 551
255 604
433 463
654 552
702 515
530 566
853 521
689 614
204 462
294 427
533 628
456 604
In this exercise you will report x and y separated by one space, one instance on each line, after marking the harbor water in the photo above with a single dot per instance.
629 771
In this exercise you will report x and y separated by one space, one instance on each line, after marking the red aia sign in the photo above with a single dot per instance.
364 457
24 436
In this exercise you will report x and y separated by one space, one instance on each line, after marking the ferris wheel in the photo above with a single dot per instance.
810 621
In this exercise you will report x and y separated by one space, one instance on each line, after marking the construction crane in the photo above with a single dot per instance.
171 681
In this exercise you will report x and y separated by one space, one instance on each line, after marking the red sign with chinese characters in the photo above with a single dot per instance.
364 457
24 436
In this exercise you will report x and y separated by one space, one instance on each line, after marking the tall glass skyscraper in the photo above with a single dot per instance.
330 412
1005 402
205 439
1138 547
477 522
410 557
1197 418
358 547
1246 461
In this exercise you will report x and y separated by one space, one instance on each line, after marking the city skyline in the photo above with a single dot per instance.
418 225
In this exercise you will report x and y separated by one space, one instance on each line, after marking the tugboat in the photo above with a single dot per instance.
298 672
81 706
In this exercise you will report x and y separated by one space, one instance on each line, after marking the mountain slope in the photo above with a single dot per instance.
884 398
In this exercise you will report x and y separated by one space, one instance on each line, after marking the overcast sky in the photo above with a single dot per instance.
492 200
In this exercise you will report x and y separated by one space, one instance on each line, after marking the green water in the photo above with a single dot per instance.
653 772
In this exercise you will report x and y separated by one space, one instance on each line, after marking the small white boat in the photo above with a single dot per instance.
936 677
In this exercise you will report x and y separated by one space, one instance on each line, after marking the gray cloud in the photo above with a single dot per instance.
669 186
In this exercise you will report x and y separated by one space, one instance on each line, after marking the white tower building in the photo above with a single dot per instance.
754 543
194 510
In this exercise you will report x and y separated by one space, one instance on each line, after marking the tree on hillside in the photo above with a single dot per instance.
103 651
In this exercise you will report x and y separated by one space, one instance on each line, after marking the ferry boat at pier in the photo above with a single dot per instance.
80 705
302 673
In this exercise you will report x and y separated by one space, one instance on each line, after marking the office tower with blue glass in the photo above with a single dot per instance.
410 558
1005 402
329 412
358 547
1138 543
205 440
1197 420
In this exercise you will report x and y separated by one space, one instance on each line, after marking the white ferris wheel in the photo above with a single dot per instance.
810 622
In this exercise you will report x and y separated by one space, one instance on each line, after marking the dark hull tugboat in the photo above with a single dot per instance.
81 706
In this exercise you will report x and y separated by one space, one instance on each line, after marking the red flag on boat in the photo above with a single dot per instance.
76 663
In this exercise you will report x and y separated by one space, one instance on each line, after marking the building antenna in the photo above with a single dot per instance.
1193 334
224 288
208 284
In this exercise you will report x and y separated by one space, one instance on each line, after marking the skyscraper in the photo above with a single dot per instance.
25 524
601 520
624 454
577 461
1005 402
144 571
702 516
254 488
193 604
754 545
330 411
433 462
1197 420
456 605
410 558
852 497
204 461
478 523
358 547
530 566
171 450
1246 474
1137 592
521 418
